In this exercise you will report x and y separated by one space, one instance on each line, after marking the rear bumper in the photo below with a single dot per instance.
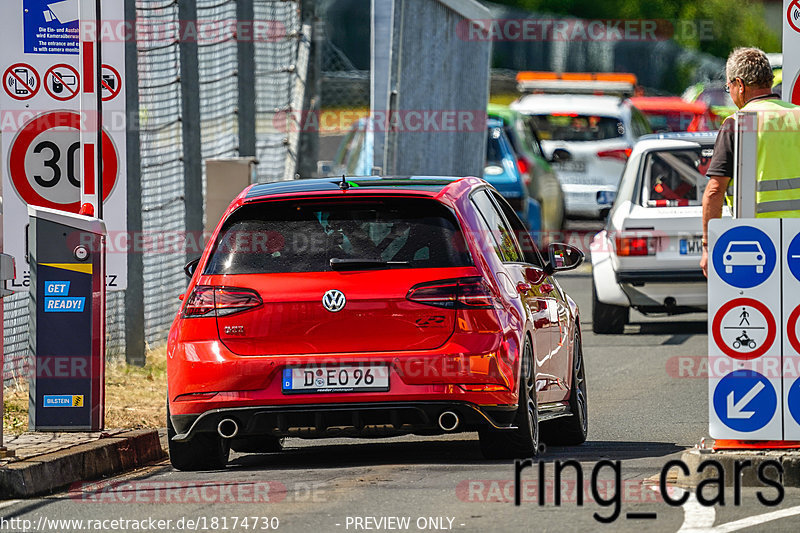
348 420
588 200
208 383
677 291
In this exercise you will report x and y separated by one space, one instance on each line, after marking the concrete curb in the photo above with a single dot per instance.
789 460
44 474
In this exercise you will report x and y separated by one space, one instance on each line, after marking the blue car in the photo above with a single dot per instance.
354 158
502 172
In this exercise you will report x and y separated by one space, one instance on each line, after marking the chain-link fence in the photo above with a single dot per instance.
222 84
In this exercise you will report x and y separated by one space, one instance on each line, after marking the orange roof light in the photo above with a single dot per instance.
623 77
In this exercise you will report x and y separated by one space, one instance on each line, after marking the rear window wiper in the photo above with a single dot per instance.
363 264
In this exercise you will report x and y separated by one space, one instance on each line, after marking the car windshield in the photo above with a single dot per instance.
675 177
303 236
575 127
744 247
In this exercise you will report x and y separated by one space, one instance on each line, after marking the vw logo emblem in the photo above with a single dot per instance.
334 301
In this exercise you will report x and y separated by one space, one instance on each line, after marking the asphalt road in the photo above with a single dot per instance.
642 410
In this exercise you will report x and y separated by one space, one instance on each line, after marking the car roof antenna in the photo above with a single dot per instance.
343 185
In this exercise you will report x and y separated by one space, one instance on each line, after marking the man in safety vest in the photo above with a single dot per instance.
749 81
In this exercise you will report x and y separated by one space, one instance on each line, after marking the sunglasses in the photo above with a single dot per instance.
728 85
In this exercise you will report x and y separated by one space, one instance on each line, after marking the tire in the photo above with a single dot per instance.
205 451
737 345
752 345
258 444
571 430
522 442
608 319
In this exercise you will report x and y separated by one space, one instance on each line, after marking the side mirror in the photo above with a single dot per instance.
191 266
563 257
560 155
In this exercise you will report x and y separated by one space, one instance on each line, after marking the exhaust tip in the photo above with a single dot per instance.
228 428
669 301
448 420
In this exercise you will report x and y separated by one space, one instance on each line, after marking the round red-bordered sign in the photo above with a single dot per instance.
716 329
115 90
795 98
12 74
68 92
791 329
24 141
794 6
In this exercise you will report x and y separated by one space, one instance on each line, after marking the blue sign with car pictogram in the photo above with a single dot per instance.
793 399
745 400
744 257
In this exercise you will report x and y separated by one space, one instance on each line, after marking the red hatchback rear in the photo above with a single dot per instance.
372 307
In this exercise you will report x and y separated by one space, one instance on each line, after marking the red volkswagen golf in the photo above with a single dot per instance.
373 307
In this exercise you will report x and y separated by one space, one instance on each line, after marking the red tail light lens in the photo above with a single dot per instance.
636 246
620 154
200 302
220 301
463 293
523 166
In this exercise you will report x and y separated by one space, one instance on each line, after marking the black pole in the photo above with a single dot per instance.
99 88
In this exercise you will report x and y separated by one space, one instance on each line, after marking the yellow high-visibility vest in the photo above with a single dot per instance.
777 158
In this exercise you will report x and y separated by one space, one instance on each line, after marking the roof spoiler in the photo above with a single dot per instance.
611 83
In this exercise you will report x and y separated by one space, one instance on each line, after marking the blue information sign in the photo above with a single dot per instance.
794 400
745 401
793 257
51 26
744 257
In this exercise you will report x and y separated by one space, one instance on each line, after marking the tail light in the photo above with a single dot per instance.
219 301
637 246
620 154
463 293
523 165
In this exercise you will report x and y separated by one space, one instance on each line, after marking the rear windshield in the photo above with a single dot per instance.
303 236
574 127
675 177
494 148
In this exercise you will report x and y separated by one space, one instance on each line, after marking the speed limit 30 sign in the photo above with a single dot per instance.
44 158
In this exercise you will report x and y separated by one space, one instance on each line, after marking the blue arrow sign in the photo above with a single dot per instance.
744 257
793 257
794 400
745 400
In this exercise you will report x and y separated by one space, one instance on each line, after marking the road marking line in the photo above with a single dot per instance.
751 521
696 517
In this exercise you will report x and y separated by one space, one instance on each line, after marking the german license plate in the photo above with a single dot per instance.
569 166
340 378
691 246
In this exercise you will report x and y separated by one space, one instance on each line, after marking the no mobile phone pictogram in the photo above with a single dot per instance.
793 15
21 81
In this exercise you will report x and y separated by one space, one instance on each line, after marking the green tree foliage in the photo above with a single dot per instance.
711 26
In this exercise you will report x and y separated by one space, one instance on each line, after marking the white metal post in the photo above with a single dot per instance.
744 171
91 108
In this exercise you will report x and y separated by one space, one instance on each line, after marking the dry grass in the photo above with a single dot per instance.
135 396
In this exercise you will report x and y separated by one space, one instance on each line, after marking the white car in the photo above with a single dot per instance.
648 255
588 139
744 253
